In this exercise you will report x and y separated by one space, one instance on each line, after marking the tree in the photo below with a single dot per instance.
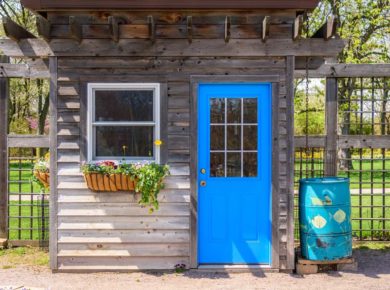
29 99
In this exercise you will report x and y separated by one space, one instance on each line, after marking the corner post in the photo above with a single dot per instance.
331 127
3 152
53 162
290 161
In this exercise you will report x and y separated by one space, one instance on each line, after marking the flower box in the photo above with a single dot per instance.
109 182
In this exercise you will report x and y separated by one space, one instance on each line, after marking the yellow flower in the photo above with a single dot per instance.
158 142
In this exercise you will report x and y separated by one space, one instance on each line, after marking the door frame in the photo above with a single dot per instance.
220 79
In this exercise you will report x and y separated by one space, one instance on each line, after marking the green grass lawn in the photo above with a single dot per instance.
378 178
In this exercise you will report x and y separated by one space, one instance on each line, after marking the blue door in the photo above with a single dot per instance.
234 178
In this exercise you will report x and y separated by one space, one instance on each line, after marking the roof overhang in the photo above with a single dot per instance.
48 5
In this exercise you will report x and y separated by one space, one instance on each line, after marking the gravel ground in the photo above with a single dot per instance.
373 273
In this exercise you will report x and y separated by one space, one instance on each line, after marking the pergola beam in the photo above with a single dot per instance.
15 31
328 30
37 69
176 47
43 27
265 28
347 70
298 27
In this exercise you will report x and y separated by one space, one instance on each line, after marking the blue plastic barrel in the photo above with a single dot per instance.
325 218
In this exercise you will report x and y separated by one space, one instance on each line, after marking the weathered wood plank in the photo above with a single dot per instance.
119 263
14 31
347 70
363 141
4 95
178 47
126 209
28 141
53 162
43 27
32 70
123 223
86 196
290 264
331 109
124 250
123 236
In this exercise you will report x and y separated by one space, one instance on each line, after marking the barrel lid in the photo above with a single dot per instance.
332 179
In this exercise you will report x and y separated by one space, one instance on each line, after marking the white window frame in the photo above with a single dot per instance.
91 123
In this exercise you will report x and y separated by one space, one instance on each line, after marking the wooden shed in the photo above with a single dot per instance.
214 80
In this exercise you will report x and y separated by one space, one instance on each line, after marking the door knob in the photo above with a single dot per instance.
203 183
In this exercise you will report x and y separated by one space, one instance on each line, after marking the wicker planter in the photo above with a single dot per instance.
109 183
43 177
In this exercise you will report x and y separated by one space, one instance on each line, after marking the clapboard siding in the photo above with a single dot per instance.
110 231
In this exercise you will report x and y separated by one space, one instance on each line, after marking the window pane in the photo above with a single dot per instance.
234 110
217 137
234 164
250 110
250 137
130 105
234 137
124 141
250 164
217 164
217 110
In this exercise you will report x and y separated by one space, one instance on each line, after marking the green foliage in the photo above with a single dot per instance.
149 178
364 24
149 183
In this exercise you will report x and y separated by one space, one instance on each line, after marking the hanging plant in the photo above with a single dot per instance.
107 176
41 172
150 182
145 178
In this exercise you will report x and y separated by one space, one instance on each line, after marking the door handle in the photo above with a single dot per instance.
203 183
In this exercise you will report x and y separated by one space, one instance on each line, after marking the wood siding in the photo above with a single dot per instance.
98 231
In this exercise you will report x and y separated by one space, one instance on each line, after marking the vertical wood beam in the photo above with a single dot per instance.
189 29
53 162
75 29
290 62
43 27
3 153
152 28
331 127
227 28
114 23
265 28
298 27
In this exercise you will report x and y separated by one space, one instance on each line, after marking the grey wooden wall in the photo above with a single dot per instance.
98 231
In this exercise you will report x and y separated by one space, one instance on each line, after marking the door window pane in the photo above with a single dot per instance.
217 164
234 137
234 141
250 137
121 105
250 164
250 110
124 141
233 164
217 110
217 137
234 110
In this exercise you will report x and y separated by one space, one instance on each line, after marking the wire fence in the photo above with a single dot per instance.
363 111
28 206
